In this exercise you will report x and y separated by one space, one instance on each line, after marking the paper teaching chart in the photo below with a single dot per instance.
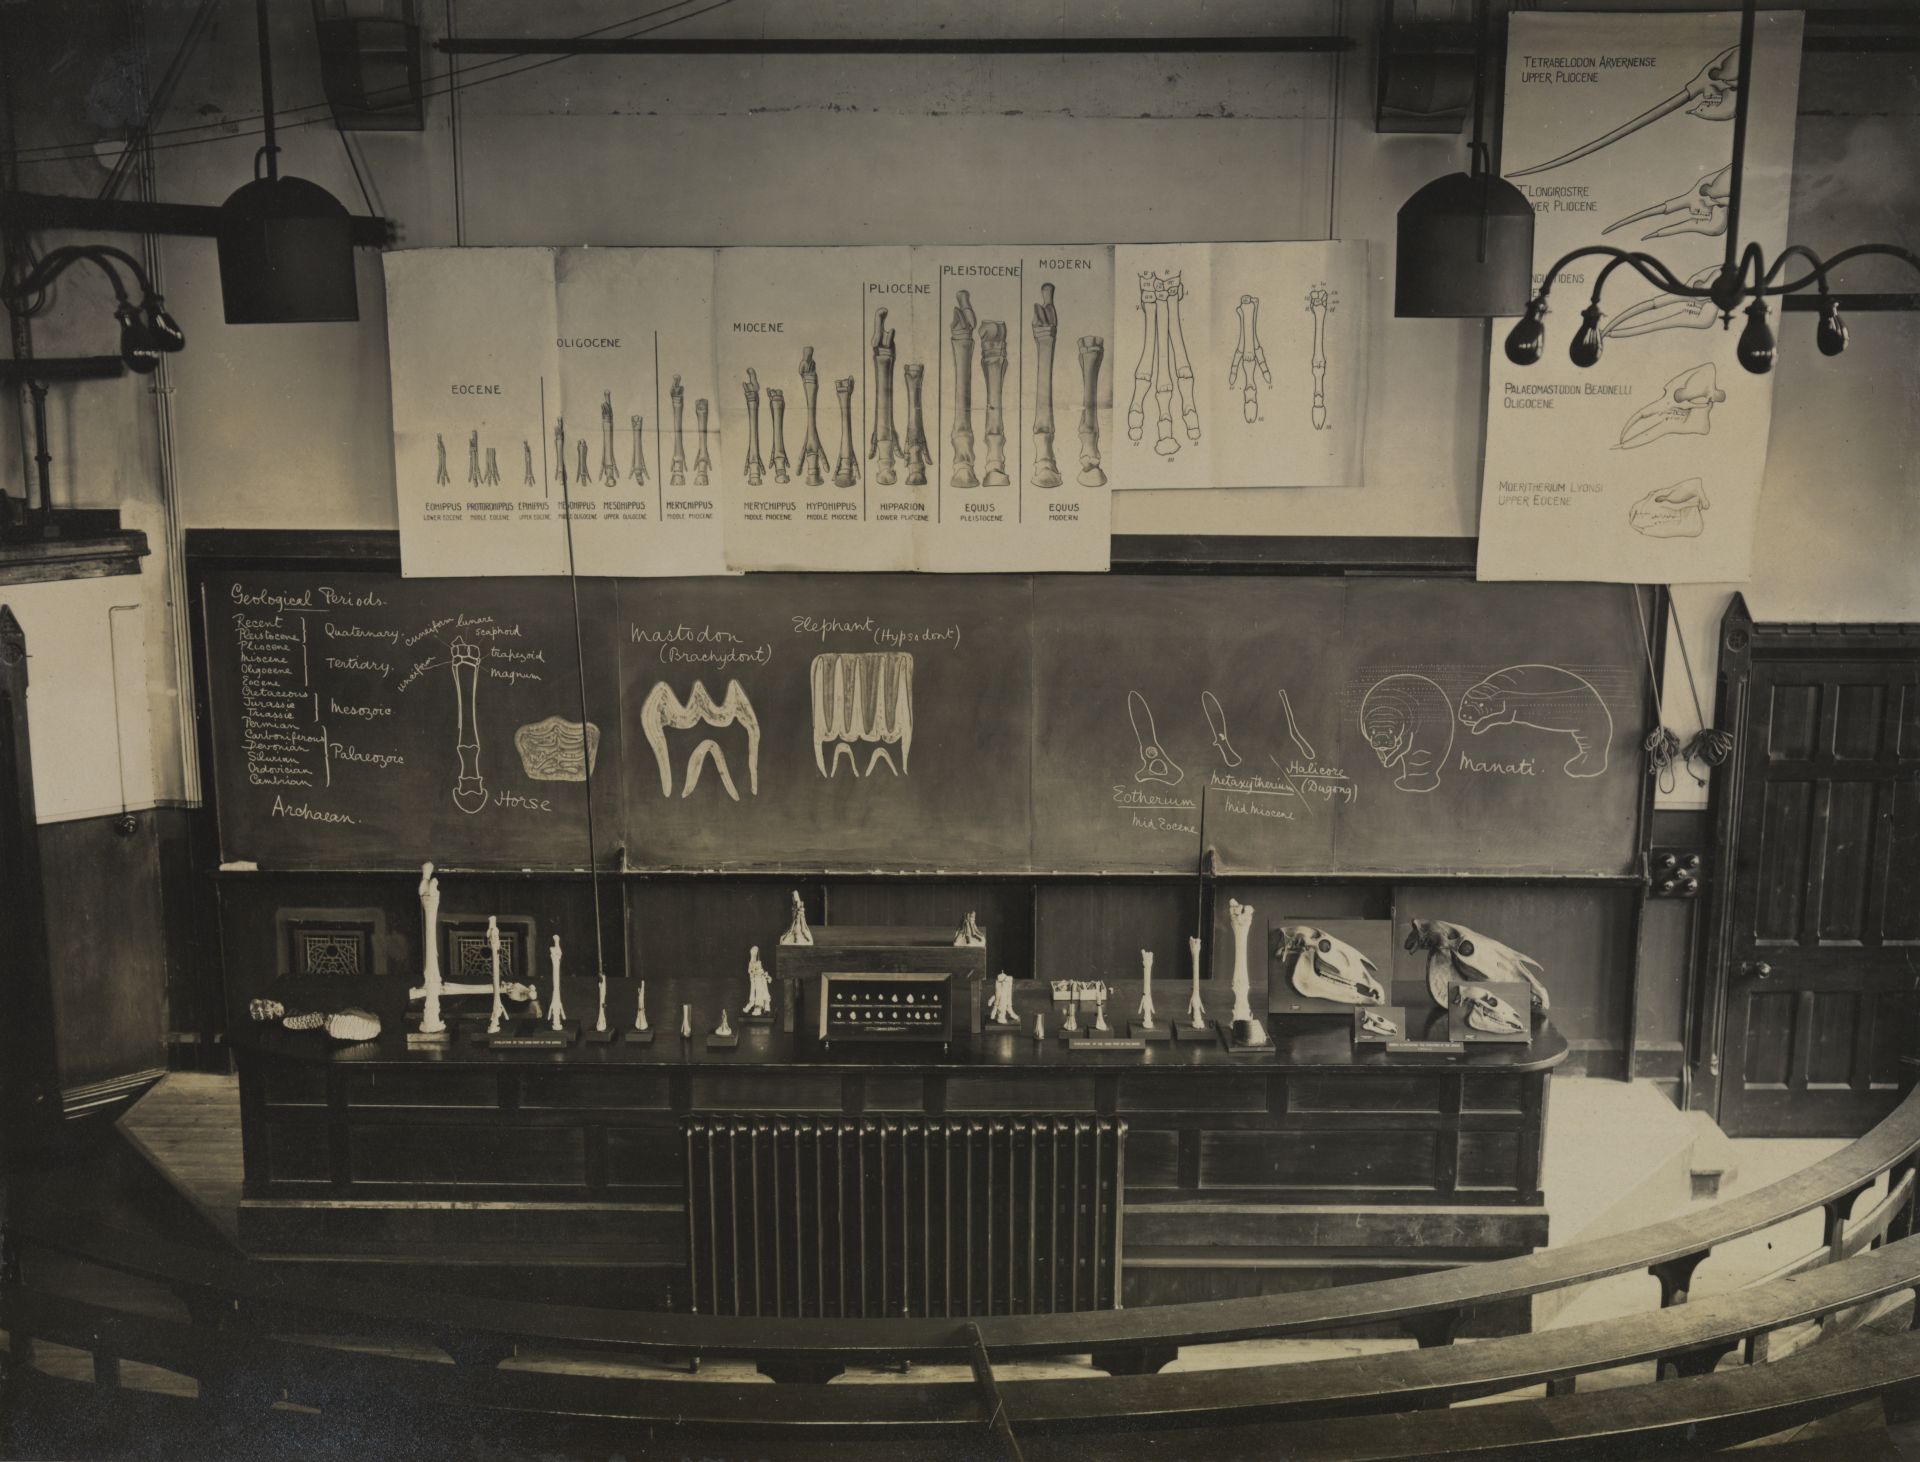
1645 467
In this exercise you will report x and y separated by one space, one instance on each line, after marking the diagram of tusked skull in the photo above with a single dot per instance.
1685 408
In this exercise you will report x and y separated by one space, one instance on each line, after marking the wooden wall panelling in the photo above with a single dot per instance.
1095 931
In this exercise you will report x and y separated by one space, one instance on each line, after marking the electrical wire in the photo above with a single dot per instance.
1661 743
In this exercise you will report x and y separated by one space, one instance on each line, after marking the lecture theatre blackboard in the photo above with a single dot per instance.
927 723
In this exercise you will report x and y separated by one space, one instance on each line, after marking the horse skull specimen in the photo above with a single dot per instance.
473 459
846 468
1487 1012
639 472
1046 328
550 750
440 478
1704 208
755 467
1685 408
1408 721
993 371
918 455
609 468
777 414
1712 95
1093 350
1671 512
862 698
1248 356
702 463
469 791
883 441
1455 952
1326 968
527 478
960 337
490 477
677 468
1546 698
1155 764
1665 311
813 455
1376 1024
560 449
662 710
1318 303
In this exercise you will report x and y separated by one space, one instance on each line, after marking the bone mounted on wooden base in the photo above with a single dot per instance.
1093 350
702 462
919 457
813 454
755 468
1046 331
777 423
432 1022
1196 1007
993 371
846 470
960 338
1247 1029
677 468
883 441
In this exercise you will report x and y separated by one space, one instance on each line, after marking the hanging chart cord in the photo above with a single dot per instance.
1710 745
1662 745
586 734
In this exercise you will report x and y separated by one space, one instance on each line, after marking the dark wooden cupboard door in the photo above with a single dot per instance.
1822 954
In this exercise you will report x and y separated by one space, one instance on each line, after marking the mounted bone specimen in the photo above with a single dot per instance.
1146 1012
556 1008
861 698
1000 1008
1408 721
759 986
993 370
813 455
1093 350
777 412
1100 1026
640 1009
702 462
1322 967
527 479
580 478
1155 764
639 470
1319 302
473 459
846 470
686 1022
1712 96
350 1024
960 337
1046 327
677 468
498 1014
755 468
440 478
1247 1030
600 1015
560 449
1455 952
918 455
1249 355
1546 698
1671 512
1196 1007
725 1029
1685 408
432 1023
609 468
970 935
883 441
550 750
797 930
469 791
490 476
663 710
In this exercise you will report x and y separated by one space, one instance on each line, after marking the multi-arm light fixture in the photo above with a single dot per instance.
1744 273
147 331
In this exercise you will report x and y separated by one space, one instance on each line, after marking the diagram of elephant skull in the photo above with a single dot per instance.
1671 512
1703 209
663 711
862 699
1685 408
1713 96
1546 698
1408 721
1666 311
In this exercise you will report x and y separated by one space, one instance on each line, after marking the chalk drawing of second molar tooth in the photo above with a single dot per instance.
1671 512
1155 764
663 710
1546 698
1408 721
1685 408
862 699
550 750
1249 355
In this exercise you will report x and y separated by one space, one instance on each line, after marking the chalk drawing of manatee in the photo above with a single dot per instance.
1408 721
1546 698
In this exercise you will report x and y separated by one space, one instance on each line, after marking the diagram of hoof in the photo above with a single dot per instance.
1671 512
863 699
1685 408
1713 96
1665 311
1702 209
1408 721
663 711
1155 764
1546 698
550 750
469 791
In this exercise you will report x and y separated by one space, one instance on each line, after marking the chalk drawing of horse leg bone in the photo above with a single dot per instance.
663 709
1546 698
1155 764
1408 721
1712 95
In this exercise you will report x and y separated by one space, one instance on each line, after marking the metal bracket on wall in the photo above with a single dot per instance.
1676 873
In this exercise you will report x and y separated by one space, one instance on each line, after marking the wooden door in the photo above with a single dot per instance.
1821 946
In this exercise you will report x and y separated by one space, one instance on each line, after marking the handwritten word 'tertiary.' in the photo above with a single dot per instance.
890 635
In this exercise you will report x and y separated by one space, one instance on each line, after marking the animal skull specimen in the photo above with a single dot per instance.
1326 968
862 698
1408 721
351 1024
662 710
1685 408
1487 1012
1713 96
1671 512
1703 207
550 750
1455 952
1376 1024
1546 698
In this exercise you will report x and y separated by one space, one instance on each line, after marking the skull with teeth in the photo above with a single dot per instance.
1486 1011
1375 1024
1325 968
1685 408
1457 953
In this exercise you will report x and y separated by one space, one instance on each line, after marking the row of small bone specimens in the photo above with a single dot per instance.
964 328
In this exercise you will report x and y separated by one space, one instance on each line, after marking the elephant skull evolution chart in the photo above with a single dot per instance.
1712 95
1685 408
663 711
1702 208
862 699
1408 721
1546 698
469 791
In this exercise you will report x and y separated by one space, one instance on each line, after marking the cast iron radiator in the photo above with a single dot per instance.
921 1217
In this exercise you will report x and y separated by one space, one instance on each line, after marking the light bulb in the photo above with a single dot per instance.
1831 333
1528 336
138 348
1585 349
1756 349
166 334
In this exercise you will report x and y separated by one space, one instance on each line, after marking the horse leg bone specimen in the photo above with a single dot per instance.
702 463
1046 328
662 710
527 479
919 457
473 459
491 476
557 1011
550 750
609 468
1671 512
862 697
1318 301
1546 698
440 477
1685 408
797 930
755 468
1667 311
1148 365
498 1014
639 471
1247 1029
846 471
1145 1013
1182 365
883 442
960 337
560 449
580 477
1703 208
1408 721
640 1008
1712 95
993 369
1217 722
1093 350
677 468
1164 442
1248 356
813 455
1300 743
777 420
469 791
1196 1007
432 1023
1155 764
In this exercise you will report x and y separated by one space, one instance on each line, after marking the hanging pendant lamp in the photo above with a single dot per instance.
1464 244
285 244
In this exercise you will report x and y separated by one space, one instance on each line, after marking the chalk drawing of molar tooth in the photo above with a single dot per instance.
663 709
862 698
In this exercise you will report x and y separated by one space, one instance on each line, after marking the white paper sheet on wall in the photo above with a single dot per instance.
1645 467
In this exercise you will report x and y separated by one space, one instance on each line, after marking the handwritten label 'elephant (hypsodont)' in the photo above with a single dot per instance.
1546 698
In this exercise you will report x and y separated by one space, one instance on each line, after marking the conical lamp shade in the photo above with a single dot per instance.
286 255
1438 271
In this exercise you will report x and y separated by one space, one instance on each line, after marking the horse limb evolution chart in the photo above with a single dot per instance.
1671 512
1046 329
702 461
554 750
1155 764
1093 350
960 339
1163 367
580 469
1712 96
473 459
846 471
1546 698
993 371
490 477
639 472
755 468
1249 355
663 710
469 790
527 479
1703 209
560 449
919 455
883 439
777 425
440 478
1320 304
1217 724
862 698
1684 408
1408 721
813 455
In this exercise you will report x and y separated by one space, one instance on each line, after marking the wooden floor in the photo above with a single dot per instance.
188 1127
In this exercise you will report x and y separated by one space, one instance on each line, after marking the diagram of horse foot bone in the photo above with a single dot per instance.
1704 206
1248 356
1319 305
1685 408
1046 328
1164 366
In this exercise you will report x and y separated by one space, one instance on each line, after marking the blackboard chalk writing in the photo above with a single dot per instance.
420 668
1157 824
807 624
894 637
503 652
527 804
360 599
706 634
429 632
1329 791
241 594
334 630
677 655
335 708
1250 782
494 672
342 751
484 629
283 808
1249 808
1522 768
354 662
1133 797
1311 769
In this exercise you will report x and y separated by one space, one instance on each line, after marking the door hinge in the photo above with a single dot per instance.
1713 1064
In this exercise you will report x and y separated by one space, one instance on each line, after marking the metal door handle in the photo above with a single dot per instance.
1759 969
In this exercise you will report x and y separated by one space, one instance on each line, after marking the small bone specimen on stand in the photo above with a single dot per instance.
499 1011
797 930
677 468
490 476
686 1022
556 1011
432 1023
560 449
1100 1026
1046 329
1196 1007
755 468
1247 1031
1071 1026
1248 356
1148 366
580 478
993 370
960 337
883 442
609 468
1093 350
813 455
640 1009
600 1018
1039 1025
759 986
440 477
846 470
1145 1013
1000 1008
777 414
473 459
1319 301
725 1028
918 456
527 479
971 935
702 463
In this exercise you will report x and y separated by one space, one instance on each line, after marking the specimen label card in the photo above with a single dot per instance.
1645 467
1239 365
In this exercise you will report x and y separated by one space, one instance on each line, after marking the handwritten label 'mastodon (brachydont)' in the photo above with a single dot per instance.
688 644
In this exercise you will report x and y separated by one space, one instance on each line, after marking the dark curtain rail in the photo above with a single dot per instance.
891 46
